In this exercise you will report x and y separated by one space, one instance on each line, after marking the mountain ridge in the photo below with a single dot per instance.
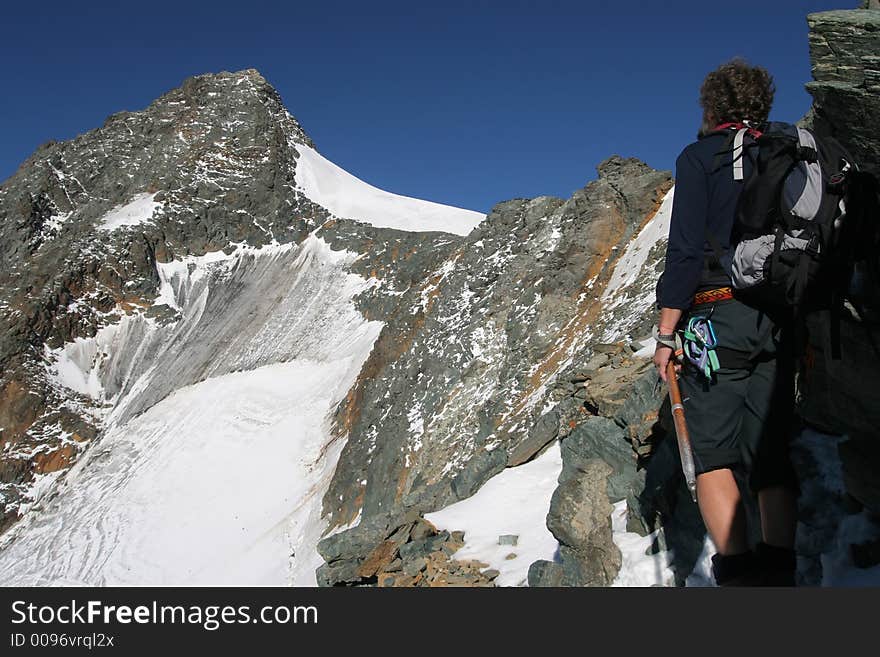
183 238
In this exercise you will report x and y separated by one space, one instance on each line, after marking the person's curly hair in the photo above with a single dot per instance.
737 92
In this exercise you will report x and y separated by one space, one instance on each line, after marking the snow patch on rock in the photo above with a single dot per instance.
138 210
515 501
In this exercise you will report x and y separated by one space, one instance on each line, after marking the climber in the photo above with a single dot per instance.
739 403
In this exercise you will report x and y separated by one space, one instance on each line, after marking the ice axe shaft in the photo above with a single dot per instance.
681 432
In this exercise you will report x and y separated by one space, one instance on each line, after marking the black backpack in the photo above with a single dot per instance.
805 217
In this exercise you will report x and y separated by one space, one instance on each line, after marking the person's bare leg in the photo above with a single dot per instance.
721 507
778 507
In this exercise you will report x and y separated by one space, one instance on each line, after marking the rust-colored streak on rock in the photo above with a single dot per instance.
389 346
660 195
18 410
401 482
130 304
380 557
609 232
587 310
46 462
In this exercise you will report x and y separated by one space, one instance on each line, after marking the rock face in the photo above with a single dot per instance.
841 396
414 554
617 444
462 385
845 54
580 518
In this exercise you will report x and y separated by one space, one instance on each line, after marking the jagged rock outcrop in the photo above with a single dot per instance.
580 518
618 445
843 396
845 55
415 554
508 310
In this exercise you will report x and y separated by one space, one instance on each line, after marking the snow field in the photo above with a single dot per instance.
349 197
219 481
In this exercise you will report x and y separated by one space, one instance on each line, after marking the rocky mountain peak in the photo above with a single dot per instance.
85 224
616 168
231 100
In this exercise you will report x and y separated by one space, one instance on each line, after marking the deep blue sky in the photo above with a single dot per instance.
466 103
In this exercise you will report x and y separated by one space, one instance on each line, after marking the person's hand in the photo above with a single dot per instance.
662 354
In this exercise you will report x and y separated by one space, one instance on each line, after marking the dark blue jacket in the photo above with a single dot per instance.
705 198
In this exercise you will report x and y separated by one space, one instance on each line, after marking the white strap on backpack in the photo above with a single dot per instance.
738 153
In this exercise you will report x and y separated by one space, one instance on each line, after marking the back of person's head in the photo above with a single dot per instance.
736 92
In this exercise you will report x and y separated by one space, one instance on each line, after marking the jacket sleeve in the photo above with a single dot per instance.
687 235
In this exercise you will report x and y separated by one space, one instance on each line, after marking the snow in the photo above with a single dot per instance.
214 481
647 349
637 567
349 197
177 277
202 489
701 575
54 223
138 210
630 264
75 366
515 501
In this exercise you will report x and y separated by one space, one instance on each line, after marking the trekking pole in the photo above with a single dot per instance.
681 432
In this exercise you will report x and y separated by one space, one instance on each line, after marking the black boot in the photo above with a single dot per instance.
736 569
778 565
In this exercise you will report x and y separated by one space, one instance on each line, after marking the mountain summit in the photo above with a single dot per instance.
90 227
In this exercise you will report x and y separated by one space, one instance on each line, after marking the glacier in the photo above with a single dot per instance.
212 472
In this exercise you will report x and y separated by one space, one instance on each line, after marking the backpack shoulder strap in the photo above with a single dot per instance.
738 153
735 144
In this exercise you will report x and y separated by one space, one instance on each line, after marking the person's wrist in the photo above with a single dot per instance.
667 339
